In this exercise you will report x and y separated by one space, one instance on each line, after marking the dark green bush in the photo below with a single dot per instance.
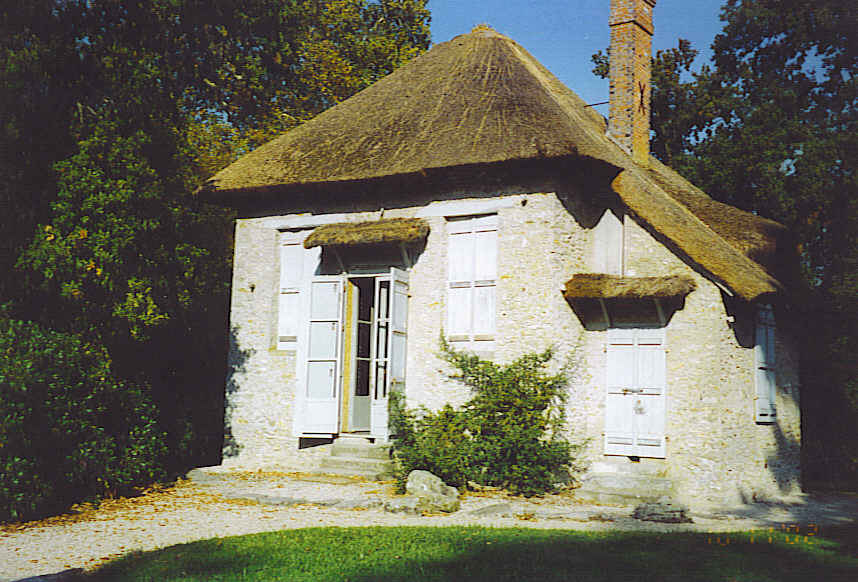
508 435
69 431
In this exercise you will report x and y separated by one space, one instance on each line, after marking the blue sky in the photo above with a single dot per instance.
563 34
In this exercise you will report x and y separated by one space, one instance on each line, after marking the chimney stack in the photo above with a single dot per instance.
631 62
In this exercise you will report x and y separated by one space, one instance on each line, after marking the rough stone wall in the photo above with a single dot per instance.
715 450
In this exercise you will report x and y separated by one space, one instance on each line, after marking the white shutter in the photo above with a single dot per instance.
608 244
635 396
619 412
297 267
649 404
318 409
461 257
764 376
472 282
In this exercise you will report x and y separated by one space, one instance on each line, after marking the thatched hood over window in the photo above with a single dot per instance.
599 286
603 301
391 230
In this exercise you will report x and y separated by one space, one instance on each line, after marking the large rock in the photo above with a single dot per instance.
663 511
433 495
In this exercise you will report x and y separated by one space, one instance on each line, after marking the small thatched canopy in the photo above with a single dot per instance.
391 230
598 286
482 101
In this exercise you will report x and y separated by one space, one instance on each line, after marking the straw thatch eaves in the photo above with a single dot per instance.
598 286
391 230
482 101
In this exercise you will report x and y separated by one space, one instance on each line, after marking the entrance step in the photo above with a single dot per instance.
622 481
358 457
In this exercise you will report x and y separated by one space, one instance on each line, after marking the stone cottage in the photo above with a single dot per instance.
472 194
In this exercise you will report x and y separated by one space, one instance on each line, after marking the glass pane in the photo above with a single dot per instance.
381 380
366 298
320 379
362 380
383 307
381 342
323 340
363 340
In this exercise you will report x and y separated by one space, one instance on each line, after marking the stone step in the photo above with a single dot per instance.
623 488
377 469
368 475
360 448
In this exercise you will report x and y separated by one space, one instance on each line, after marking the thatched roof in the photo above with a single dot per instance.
598 286
481 100
391 230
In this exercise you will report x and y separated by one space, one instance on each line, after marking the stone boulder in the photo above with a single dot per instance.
663 511
433 495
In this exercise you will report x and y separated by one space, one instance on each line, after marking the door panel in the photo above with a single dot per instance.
320 410
323 340
391 369
635 400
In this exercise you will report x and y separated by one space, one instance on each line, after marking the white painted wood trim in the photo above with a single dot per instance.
306 220
468 207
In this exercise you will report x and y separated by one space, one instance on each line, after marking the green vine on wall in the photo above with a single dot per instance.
510 433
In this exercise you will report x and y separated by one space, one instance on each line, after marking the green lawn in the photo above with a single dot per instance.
494 555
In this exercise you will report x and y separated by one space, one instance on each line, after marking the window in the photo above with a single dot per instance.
764 356
472 282
297 265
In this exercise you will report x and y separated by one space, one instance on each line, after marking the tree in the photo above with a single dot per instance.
773 129
150 98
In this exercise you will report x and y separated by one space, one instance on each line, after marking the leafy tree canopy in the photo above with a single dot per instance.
114 112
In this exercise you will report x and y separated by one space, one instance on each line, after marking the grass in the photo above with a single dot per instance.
485 554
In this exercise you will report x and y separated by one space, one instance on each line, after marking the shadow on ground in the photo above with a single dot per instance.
485 554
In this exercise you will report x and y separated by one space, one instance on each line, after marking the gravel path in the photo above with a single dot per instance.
243 503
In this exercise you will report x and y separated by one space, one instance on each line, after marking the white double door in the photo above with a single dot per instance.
635 399
355 353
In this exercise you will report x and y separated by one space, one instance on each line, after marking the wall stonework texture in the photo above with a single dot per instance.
716 452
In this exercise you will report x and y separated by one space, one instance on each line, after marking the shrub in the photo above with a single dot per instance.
69 431
509 434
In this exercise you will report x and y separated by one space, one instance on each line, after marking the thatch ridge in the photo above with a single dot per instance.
481 100
675 222
477 99
753 235
601 286
391 230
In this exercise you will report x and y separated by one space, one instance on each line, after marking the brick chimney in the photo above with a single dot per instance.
631 56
